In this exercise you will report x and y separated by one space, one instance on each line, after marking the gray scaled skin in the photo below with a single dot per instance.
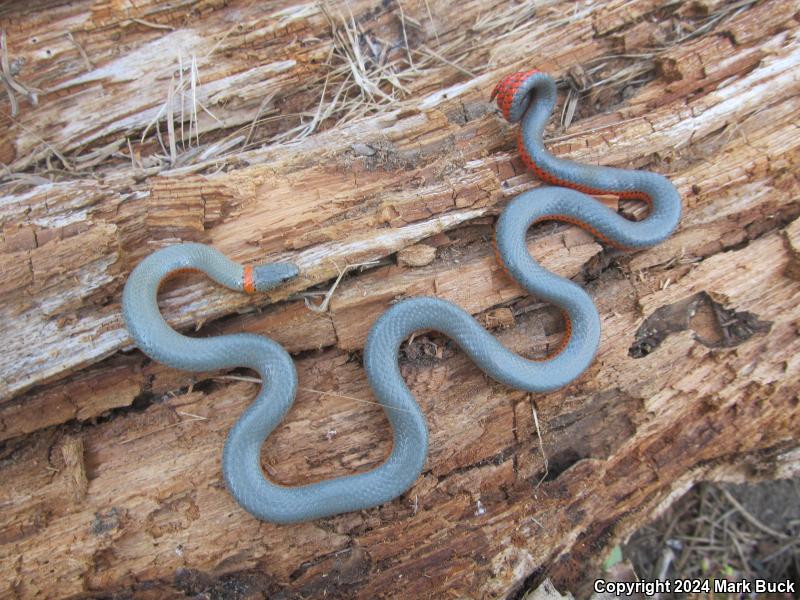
241 457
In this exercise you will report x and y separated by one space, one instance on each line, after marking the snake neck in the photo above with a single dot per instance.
541 92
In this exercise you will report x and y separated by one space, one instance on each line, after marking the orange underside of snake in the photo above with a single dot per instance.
504 92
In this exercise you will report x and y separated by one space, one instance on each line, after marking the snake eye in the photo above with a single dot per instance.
268 276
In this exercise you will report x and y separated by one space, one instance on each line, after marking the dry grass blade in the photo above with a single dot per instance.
323 306
364 75
173 150
193 116
405 34
541 444
266 101
81 51
12 99
433 22
98 156
570 106
153 25
425 50
313 391
9 82
192 418
384 406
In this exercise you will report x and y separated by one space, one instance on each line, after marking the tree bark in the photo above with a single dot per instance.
219 122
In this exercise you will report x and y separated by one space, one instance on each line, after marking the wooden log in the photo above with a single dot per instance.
111 462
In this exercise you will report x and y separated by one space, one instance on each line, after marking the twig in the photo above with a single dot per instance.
153 25
266 100
541 444
740 552
61 157
664 563
25 178
781 550
12 99
750 518
239 378
323 306
196 417
130 150
81 51
11 84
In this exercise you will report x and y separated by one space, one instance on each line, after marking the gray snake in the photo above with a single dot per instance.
529 97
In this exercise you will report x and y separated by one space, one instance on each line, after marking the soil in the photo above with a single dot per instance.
711 537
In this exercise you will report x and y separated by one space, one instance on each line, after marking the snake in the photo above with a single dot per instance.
528 97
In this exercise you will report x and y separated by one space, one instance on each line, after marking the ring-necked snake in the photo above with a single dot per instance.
529 97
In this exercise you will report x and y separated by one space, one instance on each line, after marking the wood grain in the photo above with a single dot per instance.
110 462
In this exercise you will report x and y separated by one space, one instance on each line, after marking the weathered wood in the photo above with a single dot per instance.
264 210
111 462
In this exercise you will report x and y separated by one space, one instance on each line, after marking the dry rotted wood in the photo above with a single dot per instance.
111 462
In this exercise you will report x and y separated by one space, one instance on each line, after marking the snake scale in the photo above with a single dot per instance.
528 97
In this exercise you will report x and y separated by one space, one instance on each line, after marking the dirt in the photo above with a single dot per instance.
711 537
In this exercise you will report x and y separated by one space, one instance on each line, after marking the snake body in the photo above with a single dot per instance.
529 97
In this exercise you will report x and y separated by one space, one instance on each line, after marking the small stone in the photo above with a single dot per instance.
363 149
417 255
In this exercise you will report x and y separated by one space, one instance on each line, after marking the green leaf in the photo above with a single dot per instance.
613 558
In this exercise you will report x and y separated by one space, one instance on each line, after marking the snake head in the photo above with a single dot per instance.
266 277
512 93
